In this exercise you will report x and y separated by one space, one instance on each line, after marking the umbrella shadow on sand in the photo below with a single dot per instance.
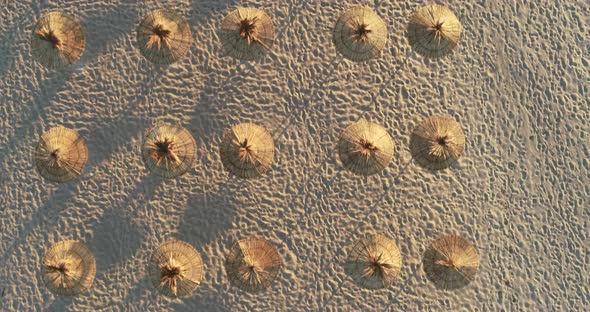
208 214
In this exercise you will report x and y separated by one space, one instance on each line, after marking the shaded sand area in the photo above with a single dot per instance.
518 83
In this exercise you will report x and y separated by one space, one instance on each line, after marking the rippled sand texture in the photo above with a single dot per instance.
518 83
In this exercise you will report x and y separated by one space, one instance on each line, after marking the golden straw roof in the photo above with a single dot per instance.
374 262
57 40
68 268
176 268
247 150
434 30
163 36
437 142
360 34
61 154
169 150
246 33
253 264
451 262
365 148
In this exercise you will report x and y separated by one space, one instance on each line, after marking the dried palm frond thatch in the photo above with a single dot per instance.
247 150
169 150
437 142
434 30
68 268
163 36
176 269
247 33
253 264
360 34
365 148
374 262
451 262
58 40
61 154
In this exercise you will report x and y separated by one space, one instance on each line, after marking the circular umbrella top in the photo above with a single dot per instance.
360 34
247 150
58 40
253 264
374 262
68 268
163 36
176 268
246 33
61 154
437 142
451 262
365 148
434 30
169 150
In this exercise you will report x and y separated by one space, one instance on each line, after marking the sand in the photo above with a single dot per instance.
518 83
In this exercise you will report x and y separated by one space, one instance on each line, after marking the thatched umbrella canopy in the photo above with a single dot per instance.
437 142
451 262
176 269
58 40
253 264
360 34
374 262
247 150
68 268
434 30
247 33
365 148
163 36
61 154
169 150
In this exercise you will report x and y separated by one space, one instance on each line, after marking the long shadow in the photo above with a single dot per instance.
402 288
378 201
37 109
314 90
208 214
52 207
385 84
323 308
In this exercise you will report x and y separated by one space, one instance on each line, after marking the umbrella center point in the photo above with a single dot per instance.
245 149
367 148
248 29
362 31
50 37
161 32
164 147
438 26
54 154
442 141
171 272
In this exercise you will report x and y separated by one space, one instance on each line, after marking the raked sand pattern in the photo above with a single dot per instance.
517 83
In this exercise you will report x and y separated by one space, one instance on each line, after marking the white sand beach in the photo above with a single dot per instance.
518 83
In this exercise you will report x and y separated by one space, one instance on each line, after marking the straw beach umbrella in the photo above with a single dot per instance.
253 264
451 262
374 262
434 30
68 268
169 150
246 33
360 34
58 40
176 268
60 154
247 150
437 142
365 148
163 36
